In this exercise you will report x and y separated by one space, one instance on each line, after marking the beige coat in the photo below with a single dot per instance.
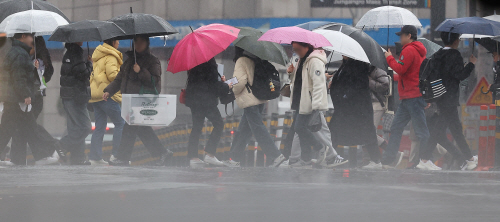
314 95
243 71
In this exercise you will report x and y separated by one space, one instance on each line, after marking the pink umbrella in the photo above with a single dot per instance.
287 35
200 46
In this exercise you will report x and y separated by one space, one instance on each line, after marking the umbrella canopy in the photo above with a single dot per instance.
143 24
430 46
32 21
270 51
200 46
312 25
344 45
9 7
470 25
490 44
86 31
372 49
388 17
287 35
494 17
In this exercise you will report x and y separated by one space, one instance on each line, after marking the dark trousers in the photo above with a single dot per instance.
79 126
447 118
147 136
307 139
198 116
22 126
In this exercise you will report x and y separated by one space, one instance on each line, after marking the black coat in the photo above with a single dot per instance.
453 71
17 81
352 120
75 74
203 86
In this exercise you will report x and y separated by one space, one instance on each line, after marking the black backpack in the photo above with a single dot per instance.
431 79
266 81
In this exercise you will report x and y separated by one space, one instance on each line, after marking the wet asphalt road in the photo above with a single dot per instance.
108 194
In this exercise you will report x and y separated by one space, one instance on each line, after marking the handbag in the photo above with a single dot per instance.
227 98
315 124
285 90
387 121
153 91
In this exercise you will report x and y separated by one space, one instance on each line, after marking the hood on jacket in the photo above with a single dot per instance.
318 53
417 46
104 50
16 42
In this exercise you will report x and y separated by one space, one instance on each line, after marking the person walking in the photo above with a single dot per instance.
453 71
106 64
251 121
74 92
140 73
17 87
202 97
351 123
412 104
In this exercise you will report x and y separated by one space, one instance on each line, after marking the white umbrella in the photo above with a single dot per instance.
388 17
39 22
344 45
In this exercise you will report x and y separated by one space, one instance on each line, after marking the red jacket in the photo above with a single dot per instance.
408 68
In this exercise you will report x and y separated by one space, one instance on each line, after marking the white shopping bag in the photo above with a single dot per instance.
149 110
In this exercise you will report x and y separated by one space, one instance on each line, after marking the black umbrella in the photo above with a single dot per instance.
372 48
248 40
86 31
143 24
488 43
9 7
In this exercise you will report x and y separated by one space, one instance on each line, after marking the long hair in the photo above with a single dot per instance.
205 72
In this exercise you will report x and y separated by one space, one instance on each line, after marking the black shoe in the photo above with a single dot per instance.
165 157
119 162
80 163
60 152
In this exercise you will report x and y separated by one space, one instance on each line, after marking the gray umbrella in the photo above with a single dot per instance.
430 46
86 31
270 51
372 49
143 24
9 7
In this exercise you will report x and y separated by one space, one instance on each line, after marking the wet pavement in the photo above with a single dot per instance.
74 194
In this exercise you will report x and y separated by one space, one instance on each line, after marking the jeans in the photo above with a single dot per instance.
148 138
199 115
103 110
79 127
251 123
408 109
306 137
447 119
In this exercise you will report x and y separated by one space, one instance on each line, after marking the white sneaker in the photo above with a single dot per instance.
470 164
372 166
231 163
278 161
314 161
322 155
112 158
54 159
334 162
285 164
213 161
100 162
429 165
396 162
197 163
6 163
301 165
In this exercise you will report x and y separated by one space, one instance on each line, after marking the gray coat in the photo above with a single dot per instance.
379 83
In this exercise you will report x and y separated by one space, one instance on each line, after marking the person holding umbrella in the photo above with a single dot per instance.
106 63
140 73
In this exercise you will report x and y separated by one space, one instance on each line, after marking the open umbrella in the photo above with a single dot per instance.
9 7
430 46
32 21
470 25
344 45
372 49
270 51
142 24
312 25
287 35
200 46
86 31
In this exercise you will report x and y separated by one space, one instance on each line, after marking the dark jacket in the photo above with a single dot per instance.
43 53
453 71
496 77
17 79
129 82
203 86
75 74
408 68
352 120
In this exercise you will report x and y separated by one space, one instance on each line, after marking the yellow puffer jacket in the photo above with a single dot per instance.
107 61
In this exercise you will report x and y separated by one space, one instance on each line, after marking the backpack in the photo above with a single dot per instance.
431 80
266 82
